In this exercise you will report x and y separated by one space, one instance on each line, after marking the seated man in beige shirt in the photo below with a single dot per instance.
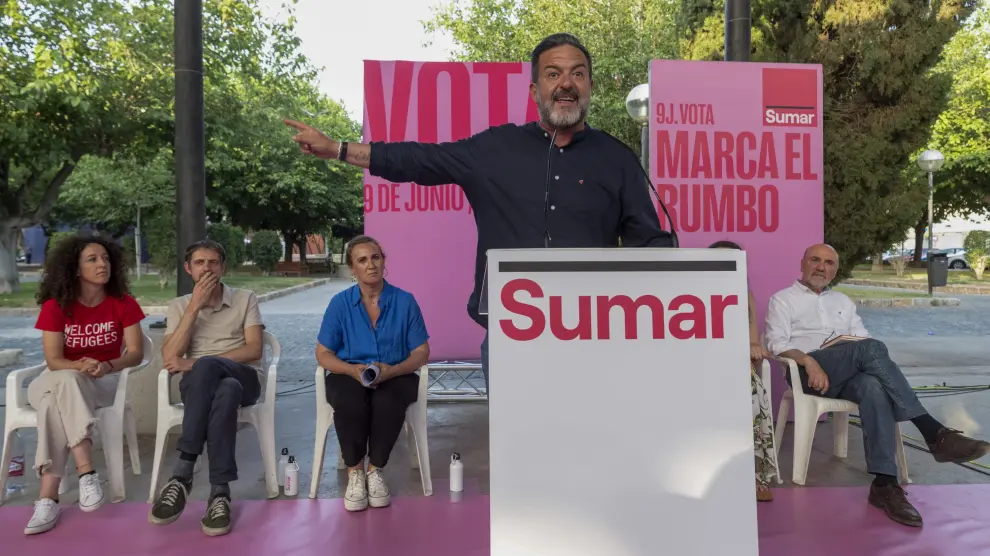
214 338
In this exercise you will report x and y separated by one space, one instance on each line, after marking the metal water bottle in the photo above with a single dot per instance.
292 477
283 460
456 473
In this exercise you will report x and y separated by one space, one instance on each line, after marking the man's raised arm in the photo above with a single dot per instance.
421 163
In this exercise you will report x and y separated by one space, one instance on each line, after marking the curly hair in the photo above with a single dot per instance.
60 279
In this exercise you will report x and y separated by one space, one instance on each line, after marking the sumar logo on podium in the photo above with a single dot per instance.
790 97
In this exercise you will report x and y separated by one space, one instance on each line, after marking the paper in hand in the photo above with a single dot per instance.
369 374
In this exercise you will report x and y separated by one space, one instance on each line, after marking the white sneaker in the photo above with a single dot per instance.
377 489
90 493
356 497
46 512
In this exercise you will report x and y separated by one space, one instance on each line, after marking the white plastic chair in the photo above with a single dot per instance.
114 422
807 409
416 425
261 416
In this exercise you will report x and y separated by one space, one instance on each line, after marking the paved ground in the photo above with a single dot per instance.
933 345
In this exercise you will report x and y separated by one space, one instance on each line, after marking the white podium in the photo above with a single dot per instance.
620 415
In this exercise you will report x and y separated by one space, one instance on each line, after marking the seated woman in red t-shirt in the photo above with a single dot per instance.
87 317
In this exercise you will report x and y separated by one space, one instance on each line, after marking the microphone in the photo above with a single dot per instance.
546 196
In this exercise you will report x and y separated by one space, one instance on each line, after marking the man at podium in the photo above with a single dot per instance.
553 183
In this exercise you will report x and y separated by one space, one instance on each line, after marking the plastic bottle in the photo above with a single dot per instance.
283 460
456 473
292 477
16 468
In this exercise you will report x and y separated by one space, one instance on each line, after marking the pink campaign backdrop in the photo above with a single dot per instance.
738 93
429 233
431 249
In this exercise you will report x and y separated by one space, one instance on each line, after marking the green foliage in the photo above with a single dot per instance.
977 246
881 97
160 233
232 239
622 36
266 249
962 132
56 237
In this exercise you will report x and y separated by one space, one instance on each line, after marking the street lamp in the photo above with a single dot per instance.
638 107
930 161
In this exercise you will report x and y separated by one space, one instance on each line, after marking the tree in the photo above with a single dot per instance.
622 36
977 246
95 78
161 244
881 97
962 131
266 249
232 240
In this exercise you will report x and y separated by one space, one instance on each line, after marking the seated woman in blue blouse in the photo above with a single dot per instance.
370 323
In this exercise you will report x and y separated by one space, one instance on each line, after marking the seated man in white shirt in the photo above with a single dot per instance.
807 315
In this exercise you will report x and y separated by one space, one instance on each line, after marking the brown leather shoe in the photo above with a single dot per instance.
951 446
892 500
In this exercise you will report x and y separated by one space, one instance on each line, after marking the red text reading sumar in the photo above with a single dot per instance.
683 317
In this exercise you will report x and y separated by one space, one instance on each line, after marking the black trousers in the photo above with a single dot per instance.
369 420
212 391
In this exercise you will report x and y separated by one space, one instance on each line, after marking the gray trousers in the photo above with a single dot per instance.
862 372
212 391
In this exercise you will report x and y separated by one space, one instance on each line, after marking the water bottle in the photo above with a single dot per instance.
16 468
283 460
456 473
292 477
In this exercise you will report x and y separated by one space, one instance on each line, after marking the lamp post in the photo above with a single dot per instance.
638 107
738 23
930 161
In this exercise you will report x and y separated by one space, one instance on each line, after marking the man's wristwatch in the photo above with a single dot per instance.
342 150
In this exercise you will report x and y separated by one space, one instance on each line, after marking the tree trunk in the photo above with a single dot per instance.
289 243
919 240
303 244
9 278
877 263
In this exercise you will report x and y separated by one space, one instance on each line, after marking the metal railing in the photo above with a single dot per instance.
455 381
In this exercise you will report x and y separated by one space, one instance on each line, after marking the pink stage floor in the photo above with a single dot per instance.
805 521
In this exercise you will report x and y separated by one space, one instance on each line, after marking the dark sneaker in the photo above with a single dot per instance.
216 522
951 446
892 500
170 503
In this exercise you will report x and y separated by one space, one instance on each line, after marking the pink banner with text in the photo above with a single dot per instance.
428 233
736 153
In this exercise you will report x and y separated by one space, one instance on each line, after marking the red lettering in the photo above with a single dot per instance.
394 201
806 159
719 304
701 163
460 100
498 88
706 207
369 198
696 317
791 153
746 169
384 198
434 198
745 208
691 323
630 310
768 156
723 155
534 314
374 95
532 111
671 160
583 328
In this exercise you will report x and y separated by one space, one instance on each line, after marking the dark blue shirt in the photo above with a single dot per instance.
347 330
598 192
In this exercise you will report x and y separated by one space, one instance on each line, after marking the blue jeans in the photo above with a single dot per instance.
862 372
484 361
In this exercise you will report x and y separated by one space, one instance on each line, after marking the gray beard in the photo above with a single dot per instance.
561 119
